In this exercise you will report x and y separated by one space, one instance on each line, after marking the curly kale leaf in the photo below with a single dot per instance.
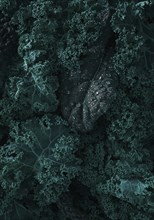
37 91
82 28
37 48
39 158
127 183
49 151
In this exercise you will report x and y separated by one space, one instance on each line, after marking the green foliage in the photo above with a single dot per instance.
76 110
49 151
82 30
42 149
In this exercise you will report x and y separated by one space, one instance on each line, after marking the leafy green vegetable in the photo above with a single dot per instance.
76 110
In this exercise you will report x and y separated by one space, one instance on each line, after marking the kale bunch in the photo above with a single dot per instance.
76 110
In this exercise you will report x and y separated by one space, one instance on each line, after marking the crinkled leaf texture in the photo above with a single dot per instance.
87 94
37 92
48 148
42 151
